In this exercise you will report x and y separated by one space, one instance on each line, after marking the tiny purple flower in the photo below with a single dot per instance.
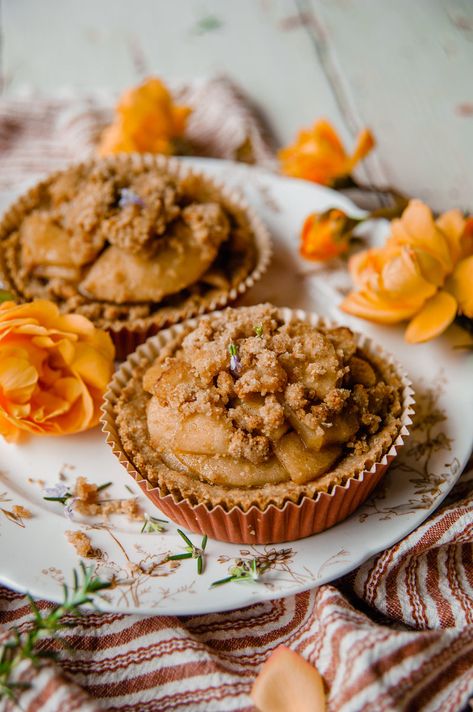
69 508
58 490
235 363
129 197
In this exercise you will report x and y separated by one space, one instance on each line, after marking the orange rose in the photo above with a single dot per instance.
53 370
147 120
326 235
424 273
319 155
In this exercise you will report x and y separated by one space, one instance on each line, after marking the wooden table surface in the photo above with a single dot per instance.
403 68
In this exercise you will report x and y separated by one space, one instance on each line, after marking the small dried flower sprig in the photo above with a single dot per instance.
23 645
58 493
152 525
192 551
235 363
249 571
129 197
61 493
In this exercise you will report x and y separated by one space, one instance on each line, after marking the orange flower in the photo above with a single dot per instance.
146 120
53 370
319 155
288 682
424 273
326 235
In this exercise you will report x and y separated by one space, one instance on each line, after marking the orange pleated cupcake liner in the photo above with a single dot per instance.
126 335
274 524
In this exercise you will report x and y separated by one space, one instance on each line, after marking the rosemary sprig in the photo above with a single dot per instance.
23 646
249 570
58 493
152 524
192 551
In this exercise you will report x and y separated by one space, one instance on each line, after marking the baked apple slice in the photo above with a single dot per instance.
231 472
302 464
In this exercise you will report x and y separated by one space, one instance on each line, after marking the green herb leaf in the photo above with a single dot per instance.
23 646
192 551
247 570
152 524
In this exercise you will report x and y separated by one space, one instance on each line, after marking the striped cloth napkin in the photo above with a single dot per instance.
396 634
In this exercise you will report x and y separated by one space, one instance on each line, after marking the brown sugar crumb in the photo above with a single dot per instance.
87 502
82 544
40 483
21 512
85 492
128 507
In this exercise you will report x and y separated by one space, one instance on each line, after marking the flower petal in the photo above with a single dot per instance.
435 316
365 268
17 379
430 267
401 278
461 284
452 224
417 229
91 366
365 143
368 305
288 682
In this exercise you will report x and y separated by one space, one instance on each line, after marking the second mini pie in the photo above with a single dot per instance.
132 242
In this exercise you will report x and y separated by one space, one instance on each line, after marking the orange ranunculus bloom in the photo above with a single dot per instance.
288 682
424 273
147 120
318 154
54 369
326 235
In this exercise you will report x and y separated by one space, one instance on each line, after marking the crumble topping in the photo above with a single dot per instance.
244 392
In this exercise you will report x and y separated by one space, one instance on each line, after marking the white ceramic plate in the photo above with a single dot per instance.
35 555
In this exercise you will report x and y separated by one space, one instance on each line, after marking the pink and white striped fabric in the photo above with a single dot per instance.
394 635
397 634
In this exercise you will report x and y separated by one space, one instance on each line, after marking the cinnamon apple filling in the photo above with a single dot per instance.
248 401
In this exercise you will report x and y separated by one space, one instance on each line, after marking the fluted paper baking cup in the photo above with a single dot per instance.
274 524
128 335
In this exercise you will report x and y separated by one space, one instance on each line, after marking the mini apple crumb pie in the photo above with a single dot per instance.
131 242
250 410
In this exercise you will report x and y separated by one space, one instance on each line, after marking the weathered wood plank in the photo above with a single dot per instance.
111 43
405 69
